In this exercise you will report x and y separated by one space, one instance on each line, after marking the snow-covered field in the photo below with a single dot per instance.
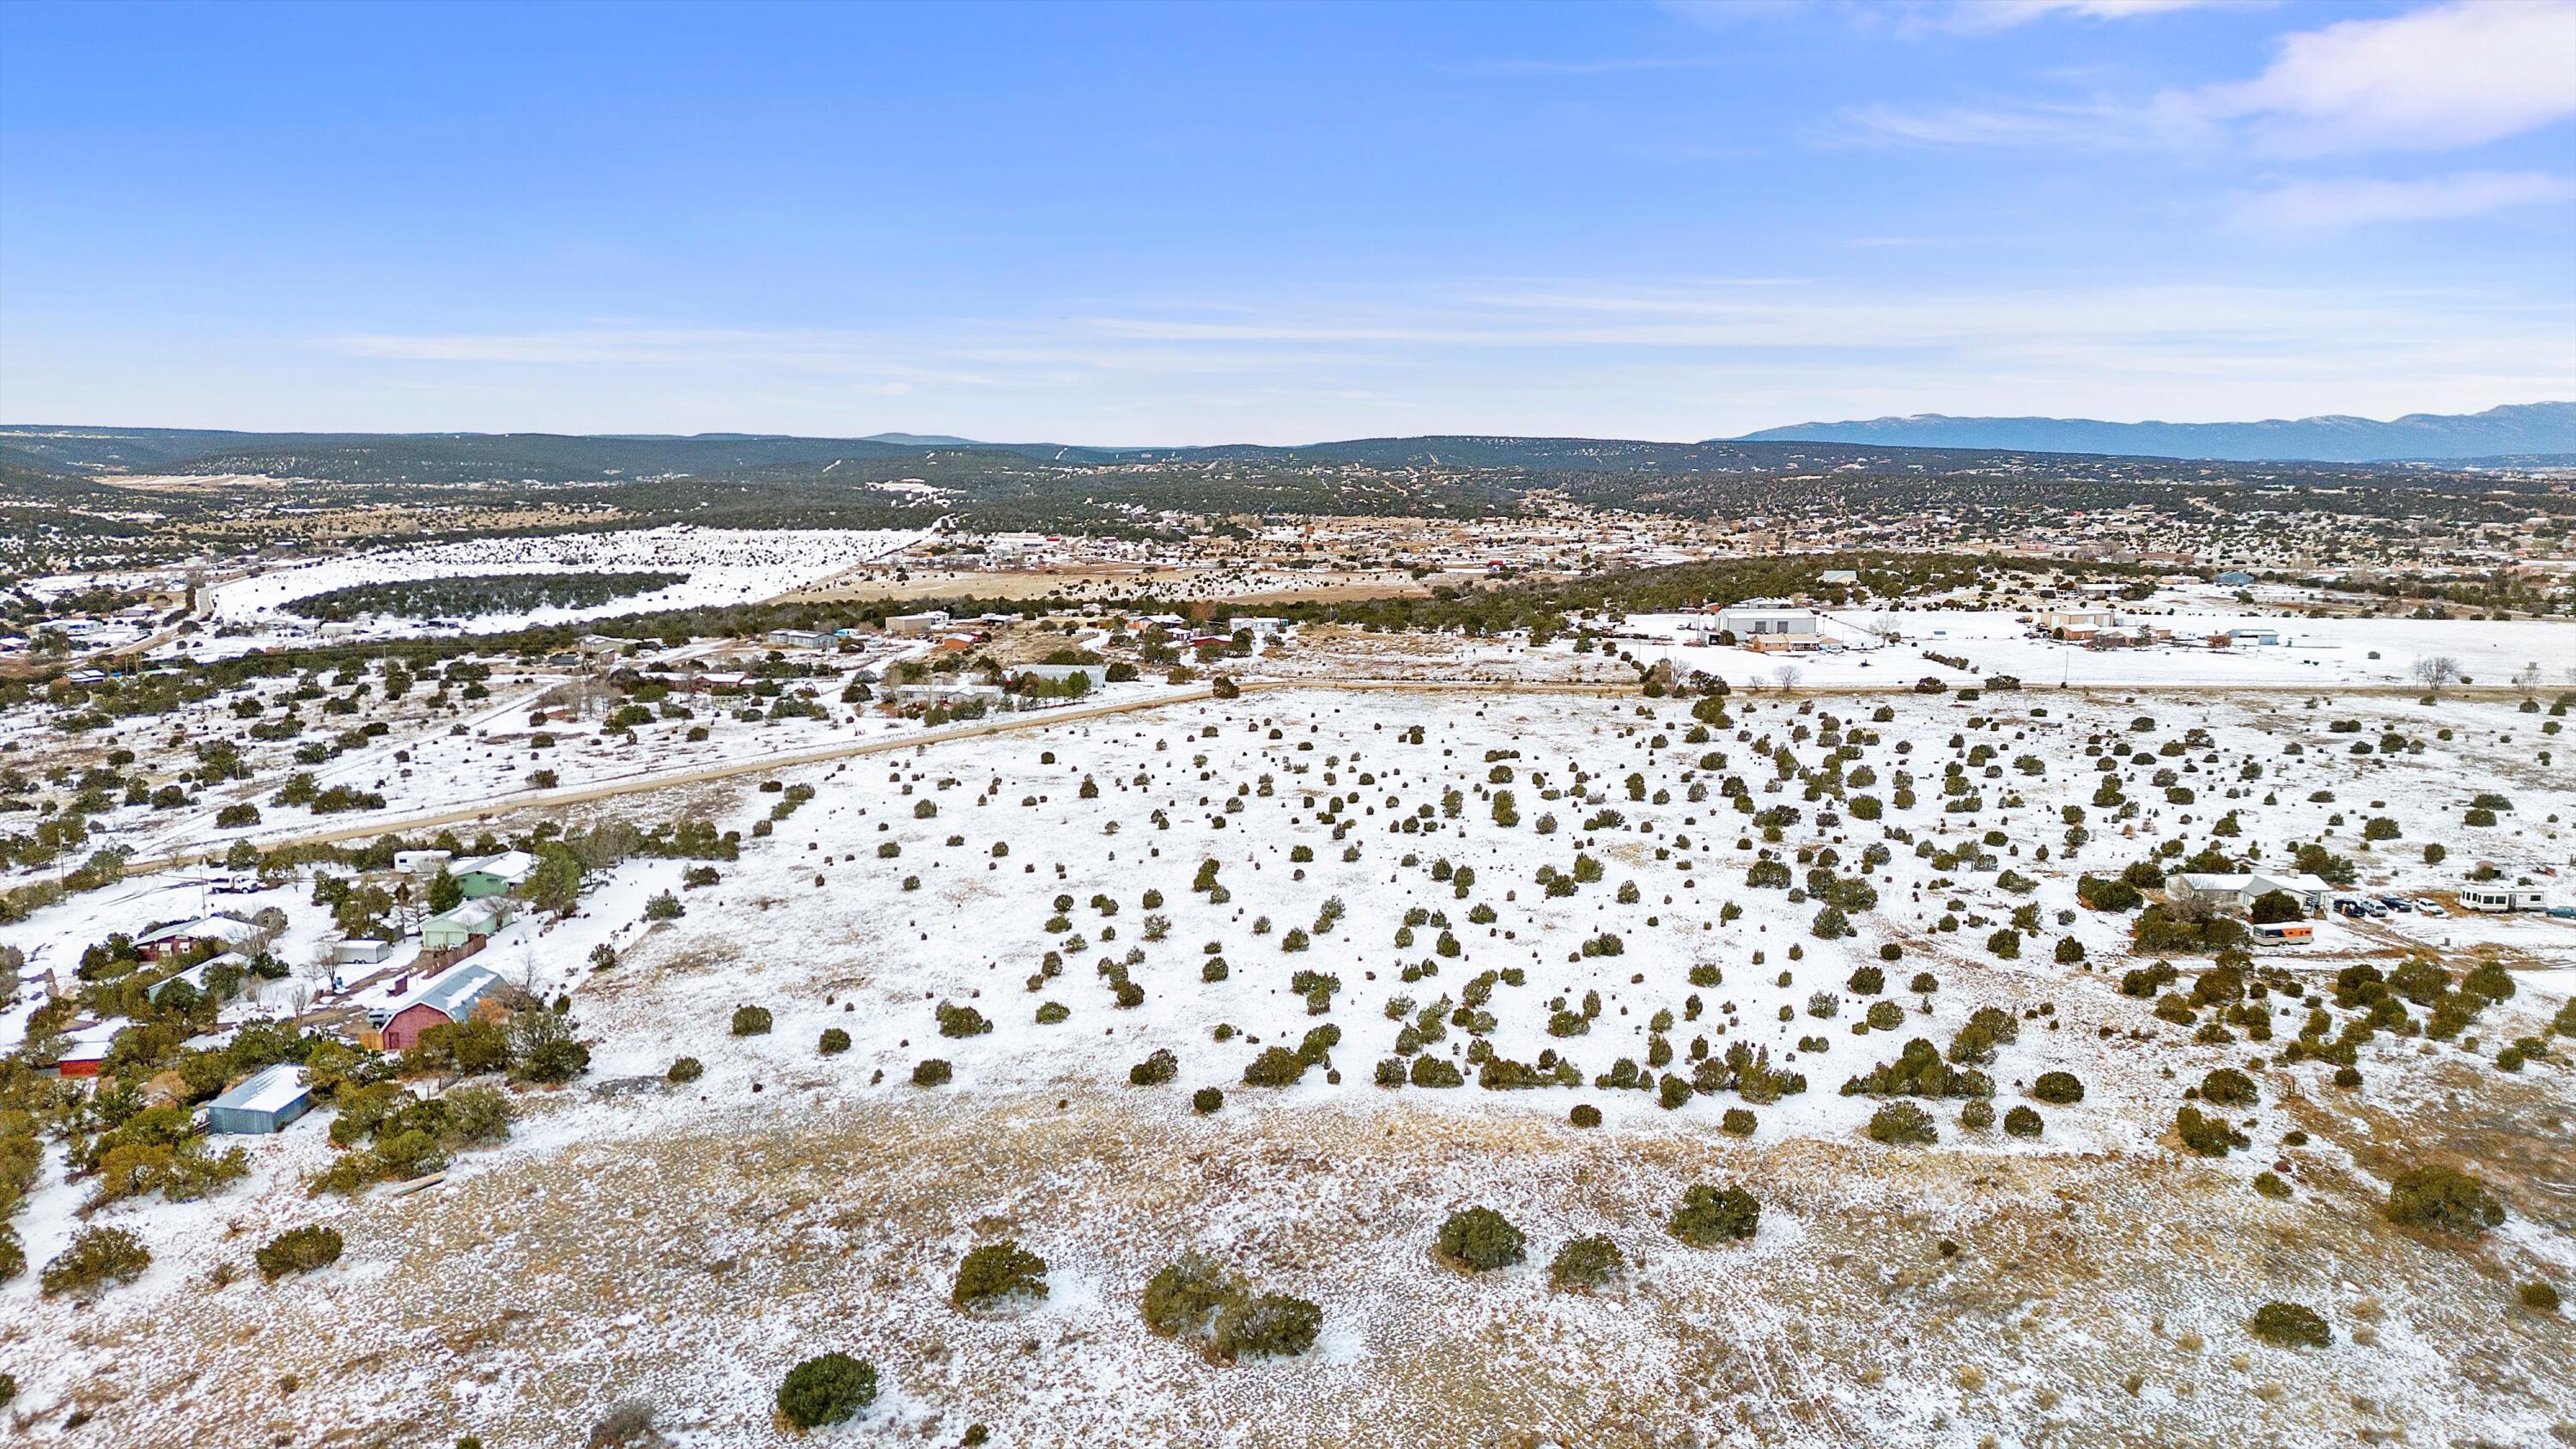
2088 1285
2318 653
725 566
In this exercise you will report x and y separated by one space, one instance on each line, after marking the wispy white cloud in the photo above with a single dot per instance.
2440 78
2436 79
1688 357
1990 15
2094 125
2329 205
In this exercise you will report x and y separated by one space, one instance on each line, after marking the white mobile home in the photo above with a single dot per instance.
2500 900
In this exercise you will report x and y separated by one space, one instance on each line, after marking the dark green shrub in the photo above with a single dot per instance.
997 1271
834 1041
826 1390
1273 1325
2270 1185
2228 1087
1480 1240
685 1070
751 1021
932 1072
1430 1071
2288 1325
2107 894
2058 1089
1154 1070
2209 1136
96 1259
1902 1122
2443 1198
2539 1297
298 1250
1736 1122
2274 907
1185 1297
1584 1115
1586 1263
2023 1122
1918 1071
1709 1216
1206 1100
1978 1115
1275 1067
961 1021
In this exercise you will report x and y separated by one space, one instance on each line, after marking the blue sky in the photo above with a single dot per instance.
1167 224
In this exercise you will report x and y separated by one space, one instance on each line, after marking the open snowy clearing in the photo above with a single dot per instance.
2313 653
725 566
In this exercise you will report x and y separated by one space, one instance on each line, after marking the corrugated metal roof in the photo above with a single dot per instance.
474 917
455 993
509 865
271 1089
222 928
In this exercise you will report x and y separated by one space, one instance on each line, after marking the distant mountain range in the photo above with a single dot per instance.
2524 430
30 453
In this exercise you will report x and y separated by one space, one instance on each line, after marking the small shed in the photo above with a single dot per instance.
263 1102
85 1047
2235 578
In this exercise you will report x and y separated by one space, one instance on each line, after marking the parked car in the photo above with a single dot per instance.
2397 903
2429 907
2563 913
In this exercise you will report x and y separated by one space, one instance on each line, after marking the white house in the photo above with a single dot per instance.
2077 621
180 937
921 625
1770 626
2239 892
492 875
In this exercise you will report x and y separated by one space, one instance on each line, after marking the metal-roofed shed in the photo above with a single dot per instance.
263 1102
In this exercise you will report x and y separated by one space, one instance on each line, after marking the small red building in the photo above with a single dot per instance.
451 997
